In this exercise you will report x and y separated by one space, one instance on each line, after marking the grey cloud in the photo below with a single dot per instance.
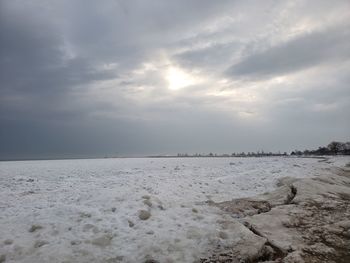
130 31
68 85
305 51
36 76
215 56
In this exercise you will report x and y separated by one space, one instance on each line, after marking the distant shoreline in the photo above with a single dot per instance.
333 149
165 156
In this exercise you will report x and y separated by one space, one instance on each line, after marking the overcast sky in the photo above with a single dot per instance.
134 77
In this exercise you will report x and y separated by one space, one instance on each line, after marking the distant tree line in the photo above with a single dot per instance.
334 148
240 154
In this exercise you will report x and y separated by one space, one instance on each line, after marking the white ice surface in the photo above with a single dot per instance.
77 201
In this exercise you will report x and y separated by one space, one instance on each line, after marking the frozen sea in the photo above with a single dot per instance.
88 210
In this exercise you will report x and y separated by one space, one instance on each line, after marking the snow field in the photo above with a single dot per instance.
89 210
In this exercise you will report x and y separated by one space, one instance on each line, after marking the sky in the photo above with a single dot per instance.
84 78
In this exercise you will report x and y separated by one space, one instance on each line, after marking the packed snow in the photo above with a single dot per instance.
131 209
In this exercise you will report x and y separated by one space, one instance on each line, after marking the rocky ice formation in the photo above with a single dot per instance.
303 220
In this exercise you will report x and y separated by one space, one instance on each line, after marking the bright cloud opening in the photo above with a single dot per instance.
179 79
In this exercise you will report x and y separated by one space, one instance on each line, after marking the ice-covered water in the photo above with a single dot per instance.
88 210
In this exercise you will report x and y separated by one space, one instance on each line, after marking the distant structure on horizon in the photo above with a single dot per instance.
334 148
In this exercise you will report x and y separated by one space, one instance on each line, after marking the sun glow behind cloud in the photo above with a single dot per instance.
179 79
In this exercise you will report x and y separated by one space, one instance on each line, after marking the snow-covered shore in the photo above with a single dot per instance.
304 220
89 210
